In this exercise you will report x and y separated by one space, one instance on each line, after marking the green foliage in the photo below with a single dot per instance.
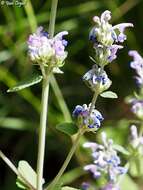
21 111
121 149
28 173
109 94
26 83
69 188
67 128
128 183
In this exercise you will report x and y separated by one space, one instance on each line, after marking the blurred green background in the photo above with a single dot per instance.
19 112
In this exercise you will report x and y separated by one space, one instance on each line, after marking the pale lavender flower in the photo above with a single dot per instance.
86 119
44 50
105 160
111 186
121 27
85 186
113 51
137 107
136 139
97 79
137 65
105 36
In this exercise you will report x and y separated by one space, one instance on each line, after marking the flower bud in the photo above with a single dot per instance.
97 80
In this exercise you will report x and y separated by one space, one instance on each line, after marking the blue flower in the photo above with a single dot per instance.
86 119
104 37
105 160
137 65
97 79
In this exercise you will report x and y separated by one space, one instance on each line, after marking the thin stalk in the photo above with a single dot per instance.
15 170
44 105
73 149
42 132
62 103
66 162
93 102
53 18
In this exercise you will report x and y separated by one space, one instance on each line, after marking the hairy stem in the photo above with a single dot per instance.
42 132
44 105
53 18
66 162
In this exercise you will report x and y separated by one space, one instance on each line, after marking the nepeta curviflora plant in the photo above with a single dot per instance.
48 51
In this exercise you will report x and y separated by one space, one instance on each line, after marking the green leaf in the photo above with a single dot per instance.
28 174
121 149
128 183
67 128
69 188
109 94
136 167
26 83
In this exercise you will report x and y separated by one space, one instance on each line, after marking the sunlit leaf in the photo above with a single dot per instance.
109 94
121 149
128 183
69 188
26 83
28 173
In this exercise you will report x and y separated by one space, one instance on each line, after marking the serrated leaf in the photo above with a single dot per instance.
26 83
67 128
109 94
28 174
121 149
69 188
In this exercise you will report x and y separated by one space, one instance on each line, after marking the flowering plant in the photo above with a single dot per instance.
48 52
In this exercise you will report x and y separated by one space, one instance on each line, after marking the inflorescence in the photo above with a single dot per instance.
87 120
105 37
47 51
105 160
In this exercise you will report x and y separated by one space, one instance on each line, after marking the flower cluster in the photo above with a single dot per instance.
137 65
111 186
86 119
106 160
97 79
136 140
44 50
137 107
105 36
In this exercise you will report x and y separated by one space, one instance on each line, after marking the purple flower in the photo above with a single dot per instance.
105 160
137 65
121 27
111 186
137 107
85 186
86 119
113 50
97 79
42 49
136 140
105 36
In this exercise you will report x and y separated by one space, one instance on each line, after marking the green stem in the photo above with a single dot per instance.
53 18
66 162
93 102
42 132
73 149
44 105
